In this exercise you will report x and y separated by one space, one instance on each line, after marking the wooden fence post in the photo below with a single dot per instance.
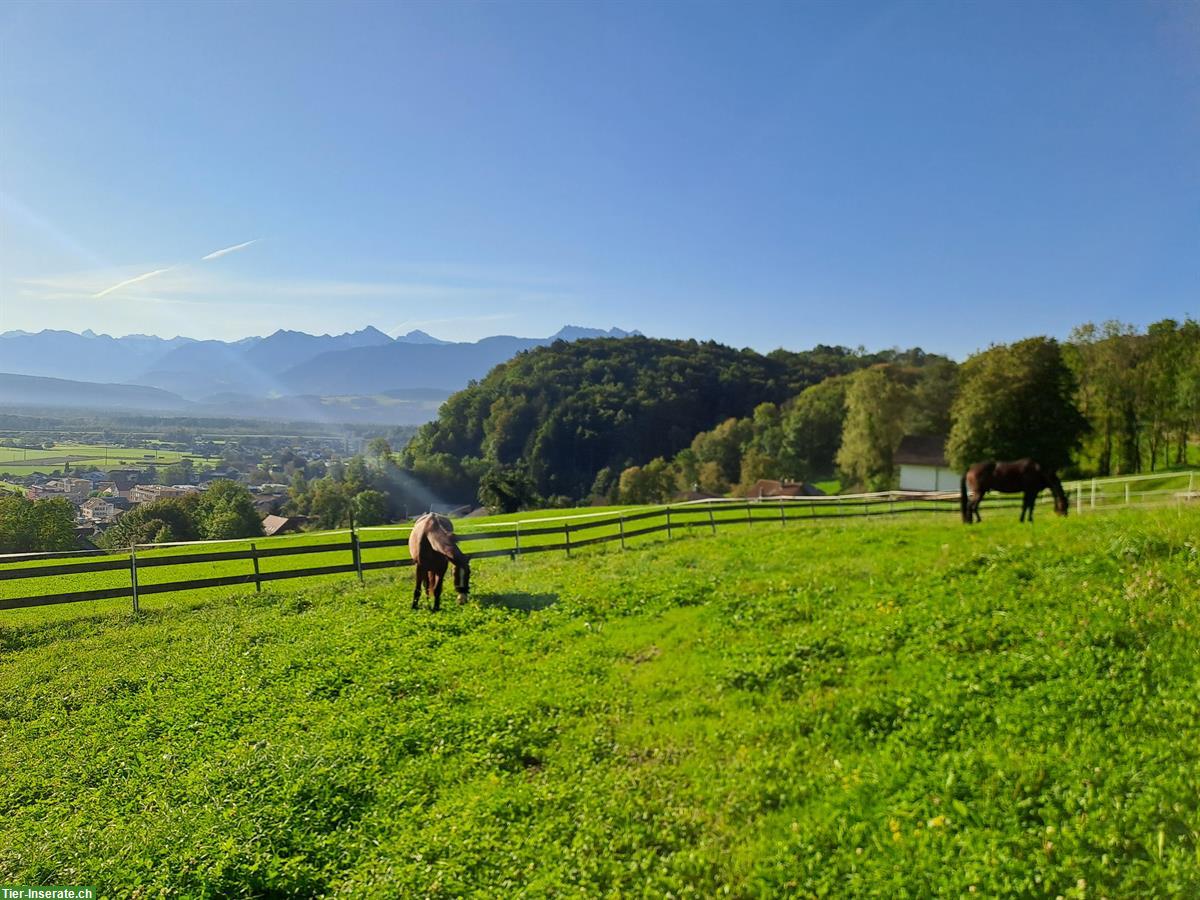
668 523
1093 493
257 579
711 520
621 525
518 539
567 532
356 552
749 513
782 518
133 576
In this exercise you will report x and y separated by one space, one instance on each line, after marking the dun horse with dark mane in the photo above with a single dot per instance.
1021 477
432 545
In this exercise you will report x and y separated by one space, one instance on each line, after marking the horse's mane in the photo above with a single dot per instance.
439 531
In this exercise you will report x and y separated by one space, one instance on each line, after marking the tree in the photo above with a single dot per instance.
226 510
31 526
877 407
605 484
176 473
710 479
507 489
169 519
756 465
651 483
370 507
724 446
933 398
299 498
1016 401
330 504
379 450
812 429
357 476
1188 388
1105 363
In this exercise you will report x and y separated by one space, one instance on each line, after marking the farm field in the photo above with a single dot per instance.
890 707
19 461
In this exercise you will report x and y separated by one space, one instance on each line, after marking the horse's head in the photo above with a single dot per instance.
1062 503
462 579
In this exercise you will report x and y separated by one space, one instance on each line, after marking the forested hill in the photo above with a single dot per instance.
569 410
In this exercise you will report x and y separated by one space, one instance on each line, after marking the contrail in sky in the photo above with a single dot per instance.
217 253
129 281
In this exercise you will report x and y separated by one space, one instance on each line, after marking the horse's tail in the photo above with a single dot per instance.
963 502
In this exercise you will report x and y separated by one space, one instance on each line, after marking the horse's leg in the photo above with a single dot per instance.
458 586
976 499
436 580
417 589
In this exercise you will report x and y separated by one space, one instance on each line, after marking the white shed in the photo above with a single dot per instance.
923 466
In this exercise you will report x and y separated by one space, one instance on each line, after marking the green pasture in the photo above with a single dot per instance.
894 707
22 461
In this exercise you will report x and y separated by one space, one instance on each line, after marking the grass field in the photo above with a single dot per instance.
892 708
15 461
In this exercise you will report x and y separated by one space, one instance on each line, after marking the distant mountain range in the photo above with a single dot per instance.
358 376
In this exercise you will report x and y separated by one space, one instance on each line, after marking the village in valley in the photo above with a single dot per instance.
101 494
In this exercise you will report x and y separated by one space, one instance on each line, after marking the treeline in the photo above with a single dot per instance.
1140 393
553 419
641 420
846 423
221 511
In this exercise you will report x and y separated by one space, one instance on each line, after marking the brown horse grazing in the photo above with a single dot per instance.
1021 477
432 545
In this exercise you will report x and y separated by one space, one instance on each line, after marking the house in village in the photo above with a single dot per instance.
99 511
46 491
923 465
76 489
273 525
148 493
121 482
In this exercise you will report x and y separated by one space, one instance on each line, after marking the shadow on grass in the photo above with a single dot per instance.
521 601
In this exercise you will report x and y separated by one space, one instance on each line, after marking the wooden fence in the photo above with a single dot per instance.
515 539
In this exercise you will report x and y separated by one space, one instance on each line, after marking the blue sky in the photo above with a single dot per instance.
941 174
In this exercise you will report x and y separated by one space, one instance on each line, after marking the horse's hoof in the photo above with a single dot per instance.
414 606
462 599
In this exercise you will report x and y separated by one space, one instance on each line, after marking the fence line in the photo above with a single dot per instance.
516 534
